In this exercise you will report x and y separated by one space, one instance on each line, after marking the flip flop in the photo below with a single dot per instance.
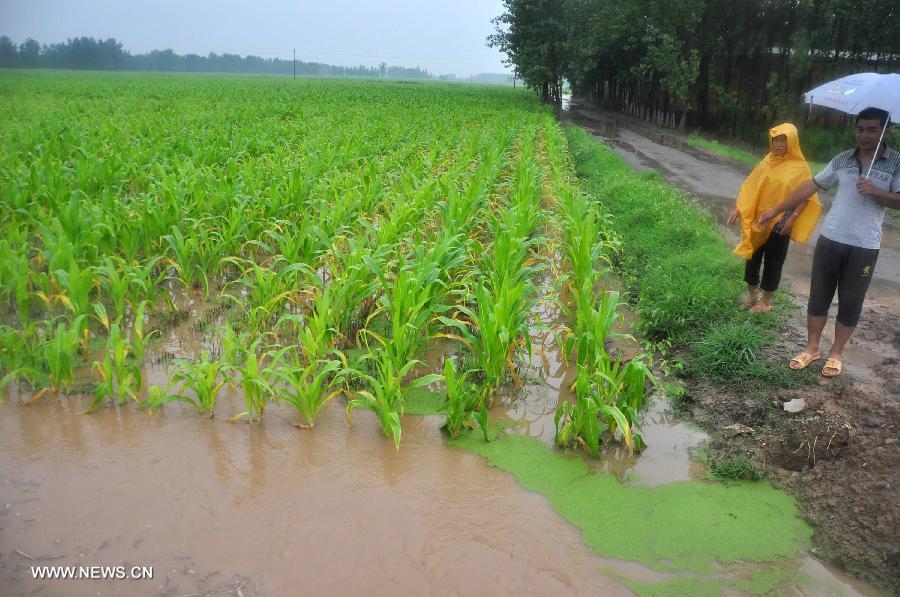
832 368
760 308
747 303
802 360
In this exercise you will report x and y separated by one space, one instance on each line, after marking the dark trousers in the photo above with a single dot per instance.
841 267
770 258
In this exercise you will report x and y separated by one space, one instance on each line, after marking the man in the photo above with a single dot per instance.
845 254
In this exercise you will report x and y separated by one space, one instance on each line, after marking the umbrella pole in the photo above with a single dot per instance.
878 147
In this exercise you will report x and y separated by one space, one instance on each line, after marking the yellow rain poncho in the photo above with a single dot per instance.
769 184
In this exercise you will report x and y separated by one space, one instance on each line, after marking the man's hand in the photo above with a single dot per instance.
733 217
867 187
767 216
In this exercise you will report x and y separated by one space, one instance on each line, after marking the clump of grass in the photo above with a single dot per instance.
728 151
731 350
739 468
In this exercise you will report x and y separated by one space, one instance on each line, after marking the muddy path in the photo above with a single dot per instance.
840 455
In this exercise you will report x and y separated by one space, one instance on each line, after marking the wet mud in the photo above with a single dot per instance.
840 454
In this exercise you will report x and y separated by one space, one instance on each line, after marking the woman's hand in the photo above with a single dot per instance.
788 226
733 217
767 216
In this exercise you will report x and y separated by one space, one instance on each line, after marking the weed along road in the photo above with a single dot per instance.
341 337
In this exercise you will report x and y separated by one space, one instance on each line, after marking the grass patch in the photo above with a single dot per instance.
728 151
730 350
749 157
738 468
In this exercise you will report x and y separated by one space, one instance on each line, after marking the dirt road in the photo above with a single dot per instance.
840 455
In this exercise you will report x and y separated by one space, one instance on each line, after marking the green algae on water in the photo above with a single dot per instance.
424 402
679 526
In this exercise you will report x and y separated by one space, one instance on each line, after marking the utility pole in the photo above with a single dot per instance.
295 64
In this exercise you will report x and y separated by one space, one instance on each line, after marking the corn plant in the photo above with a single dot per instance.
387 391
480 417
462 400
139 339
204 377
608 399
119 376
267 291
115 284
309 385
75 286
593 325
501 320
185 255
408 301
59 354
256 383
21 356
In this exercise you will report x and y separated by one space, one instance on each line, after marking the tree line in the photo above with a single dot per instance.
92 54
724 65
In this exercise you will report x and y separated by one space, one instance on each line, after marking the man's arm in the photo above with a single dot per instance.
797 196
886 198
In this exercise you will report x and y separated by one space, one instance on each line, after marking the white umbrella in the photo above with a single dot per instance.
854 93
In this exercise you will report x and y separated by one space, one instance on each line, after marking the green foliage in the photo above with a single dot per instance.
309 385
204 378
738 468
683 292
731 350
386 392
462 399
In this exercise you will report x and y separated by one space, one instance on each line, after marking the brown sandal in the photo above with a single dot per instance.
803 360
832 368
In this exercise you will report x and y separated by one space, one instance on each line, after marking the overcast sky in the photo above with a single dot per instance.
442 36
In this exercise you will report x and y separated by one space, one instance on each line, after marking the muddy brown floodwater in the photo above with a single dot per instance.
267 509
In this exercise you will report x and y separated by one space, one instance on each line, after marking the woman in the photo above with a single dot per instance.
765 247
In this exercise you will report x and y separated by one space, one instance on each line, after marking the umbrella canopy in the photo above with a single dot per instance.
854 93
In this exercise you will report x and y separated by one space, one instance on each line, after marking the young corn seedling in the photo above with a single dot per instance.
204 377
75 285
21 356
387 391
309 386
58 356
592 325
139 339
462 400
501 320
115 284
267 291
185 255
256 383
119 376
408 301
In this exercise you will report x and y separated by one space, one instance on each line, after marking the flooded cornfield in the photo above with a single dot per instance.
337 337
265 508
